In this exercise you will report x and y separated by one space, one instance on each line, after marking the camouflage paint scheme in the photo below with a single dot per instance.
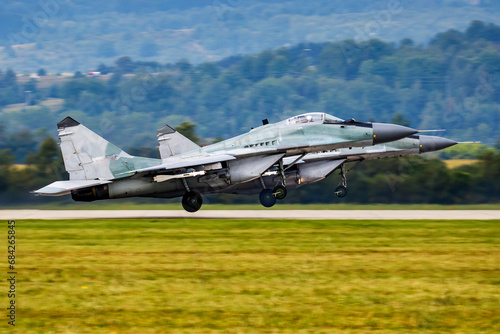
88 156
297 151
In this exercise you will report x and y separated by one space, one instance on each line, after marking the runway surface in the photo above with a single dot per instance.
254 214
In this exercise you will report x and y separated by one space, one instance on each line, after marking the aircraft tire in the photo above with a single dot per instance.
279 192
267 198
192 201
341 191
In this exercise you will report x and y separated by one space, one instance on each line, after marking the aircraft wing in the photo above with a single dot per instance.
174 162
184 162
244 167
60 188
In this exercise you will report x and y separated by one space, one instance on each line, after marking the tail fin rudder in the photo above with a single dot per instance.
88 156
173 143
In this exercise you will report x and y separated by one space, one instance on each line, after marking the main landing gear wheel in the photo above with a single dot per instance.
341 191
192 201
279 192
267 198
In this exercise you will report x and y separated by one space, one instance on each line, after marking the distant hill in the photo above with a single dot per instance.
453 83
78 35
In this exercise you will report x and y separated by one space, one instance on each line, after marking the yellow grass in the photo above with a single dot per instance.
45 81
52 104
454 163
257 276
20 167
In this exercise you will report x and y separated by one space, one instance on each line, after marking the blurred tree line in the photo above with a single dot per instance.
17 180
403 180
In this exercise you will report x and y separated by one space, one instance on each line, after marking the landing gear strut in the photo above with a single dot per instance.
341 190
279 192
192 201
268 197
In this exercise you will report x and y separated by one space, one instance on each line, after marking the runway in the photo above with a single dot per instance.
254 214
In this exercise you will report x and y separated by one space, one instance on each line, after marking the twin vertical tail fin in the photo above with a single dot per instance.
88 156
173 143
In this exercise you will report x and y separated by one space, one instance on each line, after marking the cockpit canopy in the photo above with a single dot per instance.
313 117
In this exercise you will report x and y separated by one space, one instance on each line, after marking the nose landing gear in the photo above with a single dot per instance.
341 190
279 192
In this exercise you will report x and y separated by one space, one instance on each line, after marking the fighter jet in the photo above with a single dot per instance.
99 170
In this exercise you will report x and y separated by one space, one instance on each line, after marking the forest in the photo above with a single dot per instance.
453 84
405 180
65 36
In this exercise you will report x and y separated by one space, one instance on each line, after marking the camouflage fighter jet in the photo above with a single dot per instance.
99 170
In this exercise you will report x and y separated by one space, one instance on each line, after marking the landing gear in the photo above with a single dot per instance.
341 190
279 192
192 201
267 198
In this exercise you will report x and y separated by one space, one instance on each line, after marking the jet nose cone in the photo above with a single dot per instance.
384 133
434 143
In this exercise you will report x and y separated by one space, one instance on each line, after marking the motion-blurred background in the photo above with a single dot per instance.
214 69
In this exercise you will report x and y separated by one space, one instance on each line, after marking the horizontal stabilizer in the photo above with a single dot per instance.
60 188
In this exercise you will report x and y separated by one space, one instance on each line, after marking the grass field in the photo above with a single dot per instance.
52 104
256 276
455 163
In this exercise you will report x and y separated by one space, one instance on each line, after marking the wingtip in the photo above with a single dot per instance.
67 122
